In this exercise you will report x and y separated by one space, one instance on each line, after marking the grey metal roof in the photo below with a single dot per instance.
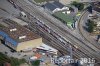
56 3
53 5
50 6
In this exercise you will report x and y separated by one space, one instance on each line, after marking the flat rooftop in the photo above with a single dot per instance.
18 32
19 21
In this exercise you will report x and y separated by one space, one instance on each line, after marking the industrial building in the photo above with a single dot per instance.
20 38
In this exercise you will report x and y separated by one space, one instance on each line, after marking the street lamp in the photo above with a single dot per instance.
70 50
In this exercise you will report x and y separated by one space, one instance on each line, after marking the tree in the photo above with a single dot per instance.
80 6
90 25
70 8
11 60
89 9
17 62
3 58
35 63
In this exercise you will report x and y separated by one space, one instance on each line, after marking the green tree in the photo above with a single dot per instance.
35 63
17 62
3 58
11 60
90 25
80 6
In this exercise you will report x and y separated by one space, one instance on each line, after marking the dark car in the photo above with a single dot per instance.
10 1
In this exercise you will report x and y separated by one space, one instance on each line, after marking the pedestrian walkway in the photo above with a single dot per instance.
47 61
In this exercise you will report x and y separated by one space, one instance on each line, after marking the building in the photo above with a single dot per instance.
20 38
96 6
55 6
64 2
6 64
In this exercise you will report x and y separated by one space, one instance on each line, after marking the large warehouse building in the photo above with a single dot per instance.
20 38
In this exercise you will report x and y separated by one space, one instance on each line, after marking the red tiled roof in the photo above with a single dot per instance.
7 64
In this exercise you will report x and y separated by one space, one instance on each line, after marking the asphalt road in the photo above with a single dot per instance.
83 47
7 10
85 34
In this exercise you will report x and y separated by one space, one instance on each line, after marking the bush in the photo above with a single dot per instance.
11 60
35 63
3 58
17 62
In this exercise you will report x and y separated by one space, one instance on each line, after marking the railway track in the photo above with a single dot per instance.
66 33
58 45
81 33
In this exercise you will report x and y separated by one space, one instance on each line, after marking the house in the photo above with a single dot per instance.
55 6
6 64
97 7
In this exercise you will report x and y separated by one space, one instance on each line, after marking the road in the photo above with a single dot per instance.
83 47
84 33
7 10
